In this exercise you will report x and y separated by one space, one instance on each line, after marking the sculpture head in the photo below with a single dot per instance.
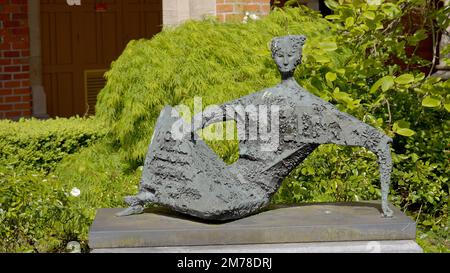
287 53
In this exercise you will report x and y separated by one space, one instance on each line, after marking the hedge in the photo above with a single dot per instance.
40 145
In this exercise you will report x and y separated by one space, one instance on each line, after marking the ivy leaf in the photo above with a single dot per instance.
332 17
405 132
417 37
350 21
369 15
331 4
427 223
431 102
386 83
447 106
390 9
330 76
404 79
401 128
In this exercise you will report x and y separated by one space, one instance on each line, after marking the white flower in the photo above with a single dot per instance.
254 16
75 192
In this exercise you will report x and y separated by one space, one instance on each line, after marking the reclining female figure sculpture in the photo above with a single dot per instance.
188 177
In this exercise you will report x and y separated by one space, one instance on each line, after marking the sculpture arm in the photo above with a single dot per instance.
216 114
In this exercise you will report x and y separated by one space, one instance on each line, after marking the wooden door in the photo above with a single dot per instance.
80 42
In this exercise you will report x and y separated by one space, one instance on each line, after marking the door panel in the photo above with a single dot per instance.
78 39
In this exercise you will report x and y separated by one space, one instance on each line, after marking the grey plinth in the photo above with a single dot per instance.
324 227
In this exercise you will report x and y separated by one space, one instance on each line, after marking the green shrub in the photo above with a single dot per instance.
35 144
101 176
36 213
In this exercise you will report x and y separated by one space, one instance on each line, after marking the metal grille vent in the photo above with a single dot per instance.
94 82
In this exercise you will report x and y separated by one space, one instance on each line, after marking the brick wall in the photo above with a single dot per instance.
15 91
234 10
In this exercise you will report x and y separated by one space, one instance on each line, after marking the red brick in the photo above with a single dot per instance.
13 114
5 46
19 16
16 68
26 98
265 8
25 68
5 77
5 62
239 8
13 99
20 61
12 84
20 45
11 54
22 106
11 24
225 8
25 53
22 91
4 107
26 84
20 2
14 9
252 8
20 31
26 113
21 76
6 92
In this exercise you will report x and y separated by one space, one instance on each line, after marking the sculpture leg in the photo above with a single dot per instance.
385 166
136 203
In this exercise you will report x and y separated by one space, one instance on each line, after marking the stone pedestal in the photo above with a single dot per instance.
324 227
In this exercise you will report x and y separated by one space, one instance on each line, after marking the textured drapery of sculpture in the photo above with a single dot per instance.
185 175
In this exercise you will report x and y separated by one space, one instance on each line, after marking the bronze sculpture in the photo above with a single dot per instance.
185 175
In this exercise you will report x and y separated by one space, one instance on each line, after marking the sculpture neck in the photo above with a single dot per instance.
286 76
288 80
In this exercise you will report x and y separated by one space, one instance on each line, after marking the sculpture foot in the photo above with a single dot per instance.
387 212
138 209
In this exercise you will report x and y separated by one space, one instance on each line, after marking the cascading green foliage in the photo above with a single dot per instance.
208 59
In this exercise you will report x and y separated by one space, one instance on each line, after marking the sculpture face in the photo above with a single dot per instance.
287 53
